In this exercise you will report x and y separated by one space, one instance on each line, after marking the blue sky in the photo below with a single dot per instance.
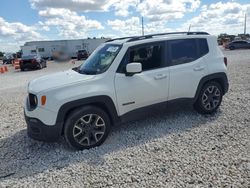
26 20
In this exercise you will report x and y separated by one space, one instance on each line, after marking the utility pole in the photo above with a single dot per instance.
142 26
245 25
142 19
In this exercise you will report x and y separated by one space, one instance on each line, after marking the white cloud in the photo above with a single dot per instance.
167 9
126 27
155 10
15 34
17 31
133 26
63 15
122 7
68 23
74 5
220 18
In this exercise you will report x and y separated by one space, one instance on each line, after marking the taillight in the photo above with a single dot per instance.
33 61
225 61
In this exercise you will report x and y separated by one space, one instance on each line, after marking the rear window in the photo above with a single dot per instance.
82 51
187 50
28 57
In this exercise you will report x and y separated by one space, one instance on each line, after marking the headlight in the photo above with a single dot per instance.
32 101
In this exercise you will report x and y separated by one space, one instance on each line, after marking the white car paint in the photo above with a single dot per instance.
140 90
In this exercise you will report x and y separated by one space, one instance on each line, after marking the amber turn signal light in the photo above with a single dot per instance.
43 100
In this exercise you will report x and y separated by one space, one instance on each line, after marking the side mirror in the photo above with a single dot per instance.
133 68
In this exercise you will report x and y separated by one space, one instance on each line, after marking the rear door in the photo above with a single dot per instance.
187 66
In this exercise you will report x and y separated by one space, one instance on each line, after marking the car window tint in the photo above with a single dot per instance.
149 56
183 51
203 47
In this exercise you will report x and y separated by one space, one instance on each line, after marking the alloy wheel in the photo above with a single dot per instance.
211 98
89 129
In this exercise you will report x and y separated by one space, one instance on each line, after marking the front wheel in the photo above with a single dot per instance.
209 99
87 127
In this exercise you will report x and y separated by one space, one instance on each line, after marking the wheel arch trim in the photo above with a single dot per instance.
104 102
220 77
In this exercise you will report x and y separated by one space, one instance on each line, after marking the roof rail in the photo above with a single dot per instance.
160 34
122 38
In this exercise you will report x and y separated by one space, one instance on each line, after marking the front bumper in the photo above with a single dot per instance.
42 132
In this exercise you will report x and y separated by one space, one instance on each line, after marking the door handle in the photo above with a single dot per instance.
199 68
160 76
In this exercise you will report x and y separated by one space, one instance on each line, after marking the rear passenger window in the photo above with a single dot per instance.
183 51
203 47
187 50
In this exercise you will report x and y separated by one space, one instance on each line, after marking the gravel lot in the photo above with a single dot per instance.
178 148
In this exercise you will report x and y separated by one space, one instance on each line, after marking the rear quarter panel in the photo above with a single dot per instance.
215 58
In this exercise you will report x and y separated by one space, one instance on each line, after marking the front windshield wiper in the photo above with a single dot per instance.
88 72
77 69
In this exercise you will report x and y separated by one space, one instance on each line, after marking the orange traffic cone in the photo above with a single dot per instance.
1 70
5 68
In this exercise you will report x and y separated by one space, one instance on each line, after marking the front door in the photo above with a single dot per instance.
145 88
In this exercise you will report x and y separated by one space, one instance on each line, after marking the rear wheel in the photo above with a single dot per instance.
232 48
87 127
209 99
40 66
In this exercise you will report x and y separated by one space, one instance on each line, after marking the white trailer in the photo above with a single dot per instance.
29 50
70 47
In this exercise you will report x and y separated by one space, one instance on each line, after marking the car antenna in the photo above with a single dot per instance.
189 28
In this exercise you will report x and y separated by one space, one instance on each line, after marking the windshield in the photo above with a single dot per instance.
7 56
29 57
100 60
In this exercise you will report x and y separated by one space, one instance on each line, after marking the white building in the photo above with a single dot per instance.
69 47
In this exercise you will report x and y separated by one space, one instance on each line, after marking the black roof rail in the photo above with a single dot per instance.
160 34
122 38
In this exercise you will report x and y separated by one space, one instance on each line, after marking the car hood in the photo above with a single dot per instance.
57 80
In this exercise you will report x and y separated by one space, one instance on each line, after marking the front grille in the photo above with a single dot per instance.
32 101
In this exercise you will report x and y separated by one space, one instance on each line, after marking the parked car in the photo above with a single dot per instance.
121 80
240 44
82 54
32 62
8 58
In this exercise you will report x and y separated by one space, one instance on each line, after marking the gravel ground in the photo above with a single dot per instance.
178 148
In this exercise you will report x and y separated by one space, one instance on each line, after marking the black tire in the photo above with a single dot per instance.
232 48
213 101
40 66
76 128
44 64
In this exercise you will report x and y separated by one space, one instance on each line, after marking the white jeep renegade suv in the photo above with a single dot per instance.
121 78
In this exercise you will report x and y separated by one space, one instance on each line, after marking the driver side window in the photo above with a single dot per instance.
150 56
